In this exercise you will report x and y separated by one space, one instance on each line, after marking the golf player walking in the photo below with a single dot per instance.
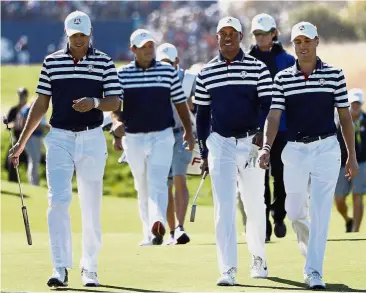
149 89
82 82
308 92
229 92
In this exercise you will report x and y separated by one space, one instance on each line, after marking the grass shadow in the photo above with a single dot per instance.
132 289
349 239
13 193
301 286
95 289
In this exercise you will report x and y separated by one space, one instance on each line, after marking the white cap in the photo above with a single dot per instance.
140 37
77 22
355 95
263 22
166 51
231 22
304 29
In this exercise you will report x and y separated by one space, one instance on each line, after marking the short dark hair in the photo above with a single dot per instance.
275 38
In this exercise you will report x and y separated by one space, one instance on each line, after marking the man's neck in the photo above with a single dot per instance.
144 64
230 56
265 48
78 55
307 66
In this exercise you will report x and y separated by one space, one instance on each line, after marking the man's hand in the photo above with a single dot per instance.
117 144
190 140
15 152
263 159
83 105
351 167
258 139
204 165
118 129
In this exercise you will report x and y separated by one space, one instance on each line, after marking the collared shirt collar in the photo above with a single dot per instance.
153 64
296 66
238 57
89 52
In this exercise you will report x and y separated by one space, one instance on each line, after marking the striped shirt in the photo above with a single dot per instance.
147 96
233 90
309 101
94 76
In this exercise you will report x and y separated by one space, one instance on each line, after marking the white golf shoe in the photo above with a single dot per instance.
180 236
169 241
59 278
89 279
145 242
228 278
258 268
314 281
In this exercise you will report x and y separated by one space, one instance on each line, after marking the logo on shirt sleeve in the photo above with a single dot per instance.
159 79
321 81
90 68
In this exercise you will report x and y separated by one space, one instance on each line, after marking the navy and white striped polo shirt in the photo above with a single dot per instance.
309 101
94 76
147 96
234 91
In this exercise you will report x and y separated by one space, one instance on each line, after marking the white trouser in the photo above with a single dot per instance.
86 153
318 161
227 161
149 156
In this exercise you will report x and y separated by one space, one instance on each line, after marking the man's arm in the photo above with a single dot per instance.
346 124
36 113
348 134
272 121
180 102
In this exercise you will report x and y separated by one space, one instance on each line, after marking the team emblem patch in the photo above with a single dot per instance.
322 81
90 68
166 50
143 35
159 79
243 74
301 27
77 20
229 20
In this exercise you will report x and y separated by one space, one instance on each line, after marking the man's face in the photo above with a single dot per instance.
229 40
355 109
264 39
305 48
146 53
79 42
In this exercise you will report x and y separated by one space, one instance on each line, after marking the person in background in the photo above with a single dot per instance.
268 50
181 157
33 147
14 120
358 184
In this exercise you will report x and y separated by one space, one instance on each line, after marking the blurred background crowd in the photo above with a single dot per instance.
189 25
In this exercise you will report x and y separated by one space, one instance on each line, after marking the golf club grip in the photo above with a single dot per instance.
193 213
26 225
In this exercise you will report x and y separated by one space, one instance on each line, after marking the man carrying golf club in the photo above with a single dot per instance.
82 82
229 91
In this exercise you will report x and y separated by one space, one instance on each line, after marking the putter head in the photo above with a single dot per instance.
193 213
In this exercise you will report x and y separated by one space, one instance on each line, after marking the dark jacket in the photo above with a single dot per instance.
276 60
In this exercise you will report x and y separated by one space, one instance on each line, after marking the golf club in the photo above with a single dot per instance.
194 206
24 208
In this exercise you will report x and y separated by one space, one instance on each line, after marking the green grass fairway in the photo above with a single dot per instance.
126 267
